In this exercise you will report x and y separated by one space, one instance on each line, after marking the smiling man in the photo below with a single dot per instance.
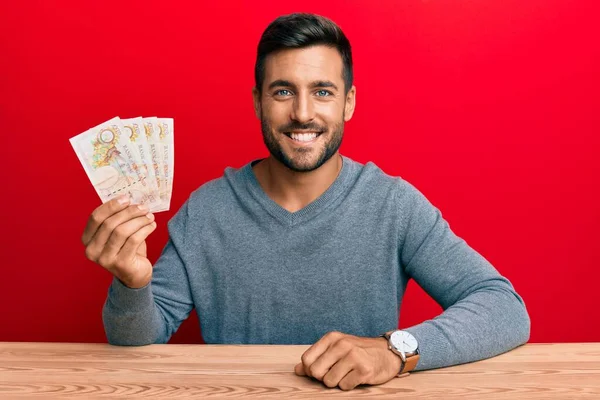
302 108
306 246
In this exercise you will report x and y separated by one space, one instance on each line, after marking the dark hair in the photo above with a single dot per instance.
295 31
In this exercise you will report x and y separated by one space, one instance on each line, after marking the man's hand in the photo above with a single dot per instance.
115 238
347 361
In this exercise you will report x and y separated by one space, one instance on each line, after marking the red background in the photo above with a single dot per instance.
489 107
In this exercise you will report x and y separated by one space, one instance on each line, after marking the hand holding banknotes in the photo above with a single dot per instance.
115 237
130 165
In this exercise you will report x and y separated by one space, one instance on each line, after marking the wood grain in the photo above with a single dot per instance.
101 371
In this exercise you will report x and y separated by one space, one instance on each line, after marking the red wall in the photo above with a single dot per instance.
491 108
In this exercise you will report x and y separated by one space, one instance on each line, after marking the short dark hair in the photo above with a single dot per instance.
299 30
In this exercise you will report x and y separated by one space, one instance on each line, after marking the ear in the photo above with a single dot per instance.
256 97
350 104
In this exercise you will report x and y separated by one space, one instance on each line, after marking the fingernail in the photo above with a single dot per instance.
124 199
149 215
143 207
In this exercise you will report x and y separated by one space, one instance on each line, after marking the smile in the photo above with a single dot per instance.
305 137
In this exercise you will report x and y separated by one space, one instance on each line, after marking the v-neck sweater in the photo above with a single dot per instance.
329 198
257 273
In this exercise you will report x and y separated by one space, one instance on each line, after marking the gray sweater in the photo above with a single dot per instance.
259 274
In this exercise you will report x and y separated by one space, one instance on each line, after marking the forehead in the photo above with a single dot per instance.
302 66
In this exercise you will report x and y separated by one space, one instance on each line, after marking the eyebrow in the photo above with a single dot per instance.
313 84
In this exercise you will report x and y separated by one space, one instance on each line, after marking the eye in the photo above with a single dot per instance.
324 93
283 92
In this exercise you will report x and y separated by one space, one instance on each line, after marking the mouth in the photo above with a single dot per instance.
303 137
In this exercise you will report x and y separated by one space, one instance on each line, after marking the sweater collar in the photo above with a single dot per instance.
286 217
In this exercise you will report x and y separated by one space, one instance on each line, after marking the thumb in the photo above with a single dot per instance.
299 370
141 251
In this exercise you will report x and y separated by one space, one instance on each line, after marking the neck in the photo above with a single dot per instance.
295 190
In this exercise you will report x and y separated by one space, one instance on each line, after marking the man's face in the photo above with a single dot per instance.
303 107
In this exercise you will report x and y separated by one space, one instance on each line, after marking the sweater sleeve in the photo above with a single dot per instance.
483 315
151 314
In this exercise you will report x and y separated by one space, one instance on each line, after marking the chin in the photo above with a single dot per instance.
304 168
303 165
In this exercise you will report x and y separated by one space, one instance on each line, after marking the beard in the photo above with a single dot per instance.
302 159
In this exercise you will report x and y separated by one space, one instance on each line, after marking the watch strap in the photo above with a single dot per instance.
410 364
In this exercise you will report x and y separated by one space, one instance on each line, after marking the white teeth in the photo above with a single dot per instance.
303 137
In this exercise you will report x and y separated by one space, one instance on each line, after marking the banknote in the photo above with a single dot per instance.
113 164
151 128
165 137
134 128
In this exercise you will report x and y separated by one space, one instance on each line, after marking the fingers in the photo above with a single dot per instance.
351 380
352 370
100 214
330 358
333 377
120 235
317 349
299 369
100 239
130 248
347 361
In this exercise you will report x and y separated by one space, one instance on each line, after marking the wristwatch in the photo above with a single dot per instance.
406 346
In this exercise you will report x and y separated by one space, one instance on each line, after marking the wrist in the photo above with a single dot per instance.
393 360
135 283
405 346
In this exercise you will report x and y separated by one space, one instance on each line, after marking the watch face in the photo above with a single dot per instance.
404 341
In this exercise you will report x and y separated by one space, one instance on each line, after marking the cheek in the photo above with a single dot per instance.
275 116
330 112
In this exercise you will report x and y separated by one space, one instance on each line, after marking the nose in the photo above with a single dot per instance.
303 108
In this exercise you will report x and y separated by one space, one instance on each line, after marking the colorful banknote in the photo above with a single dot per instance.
137 135
131 156
165 139
151 128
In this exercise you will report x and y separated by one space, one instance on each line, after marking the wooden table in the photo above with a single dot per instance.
60 370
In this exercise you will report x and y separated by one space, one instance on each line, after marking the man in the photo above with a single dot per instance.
306 246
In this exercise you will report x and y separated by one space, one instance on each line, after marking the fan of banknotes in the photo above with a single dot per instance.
130 156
